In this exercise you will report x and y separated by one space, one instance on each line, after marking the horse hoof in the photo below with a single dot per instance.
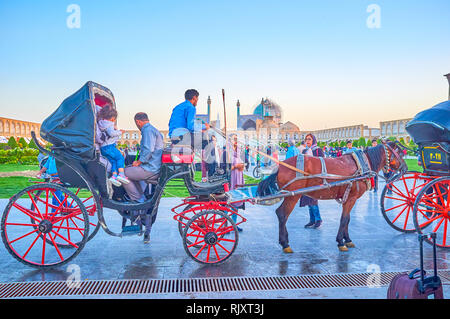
343 248
288 250
350 245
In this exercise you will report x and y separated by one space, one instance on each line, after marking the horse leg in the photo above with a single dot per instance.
348 242
342 238
283 213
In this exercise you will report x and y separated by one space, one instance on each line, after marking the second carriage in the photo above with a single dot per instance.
420 200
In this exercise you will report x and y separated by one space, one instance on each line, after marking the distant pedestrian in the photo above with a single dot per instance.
375 178
292 150
247 157
350 147
302 147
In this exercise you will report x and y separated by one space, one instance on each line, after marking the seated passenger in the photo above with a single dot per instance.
182 127
147 167
107 136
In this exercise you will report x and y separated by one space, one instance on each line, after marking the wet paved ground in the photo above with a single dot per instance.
258 252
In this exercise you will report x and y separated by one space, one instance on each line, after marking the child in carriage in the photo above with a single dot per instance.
107 136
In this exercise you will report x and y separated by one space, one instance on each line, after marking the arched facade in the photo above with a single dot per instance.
17 129
133 137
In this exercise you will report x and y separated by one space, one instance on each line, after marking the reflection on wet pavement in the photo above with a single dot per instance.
258 252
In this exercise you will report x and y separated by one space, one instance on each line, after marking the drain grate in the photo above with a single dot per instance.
198 285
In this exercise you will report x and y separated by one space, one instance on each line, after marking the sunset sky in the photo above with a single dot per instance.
318 60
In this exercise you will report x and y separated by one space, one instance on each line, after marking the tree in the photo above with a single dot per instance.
413 146
32 144
12 142
283 144
342 144
369 143
362 142
23 142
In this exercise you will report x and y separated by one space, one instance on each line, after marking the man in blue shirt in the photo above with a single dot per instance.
182 124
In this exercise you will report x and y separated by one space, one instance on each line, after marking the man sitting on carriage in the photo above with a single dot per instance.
147 167
183 129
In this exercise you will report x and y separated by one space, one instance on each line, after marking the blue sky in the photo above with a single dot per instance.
317 59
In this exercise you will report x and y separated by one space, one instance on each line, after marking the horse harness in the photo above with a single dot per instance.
363 168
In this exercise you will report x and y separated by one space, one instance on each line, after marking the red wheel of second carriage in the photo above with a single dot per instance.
397 200
53 220
210 237
432 209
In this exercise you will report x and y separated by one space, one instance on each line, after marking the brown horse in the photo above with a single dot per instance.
386 156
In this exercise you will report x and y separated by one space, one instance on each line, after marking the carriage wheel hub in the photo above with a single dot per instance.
211 238
45 226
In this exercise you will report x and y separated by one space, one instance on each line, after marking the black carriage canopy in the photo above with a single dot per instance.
431 125
72 125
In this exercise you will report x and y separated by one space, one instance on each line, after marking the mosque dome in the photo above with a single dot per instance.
268 107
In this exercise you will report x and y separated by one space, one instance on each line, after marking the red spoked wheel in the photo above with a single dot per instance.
397 200
210 237
432 209
188 212
88 202
54 220
91 208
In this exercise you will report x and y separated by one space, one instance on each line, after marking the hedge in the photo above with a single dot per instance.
4 146
28 160
17 155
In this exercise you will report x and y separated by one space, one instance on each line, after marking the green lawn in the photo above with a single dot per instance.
413 166
18 167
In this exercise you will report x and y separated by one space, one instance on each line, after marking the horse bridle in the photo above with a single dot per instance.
388 151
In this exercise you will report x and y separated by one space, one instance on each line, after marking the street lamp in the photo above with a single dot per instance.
448 78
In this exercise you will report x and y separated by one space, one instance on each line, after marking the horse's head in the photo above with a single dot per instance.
395 163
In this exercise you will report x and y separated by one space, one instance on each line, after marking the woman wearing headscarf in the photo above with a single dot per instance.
315 221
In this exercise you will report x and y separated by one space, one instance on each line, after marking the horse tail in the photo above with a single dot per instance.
268 186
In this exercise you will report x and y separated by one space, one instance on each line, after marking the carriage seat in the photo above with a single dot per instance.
178 155
207 188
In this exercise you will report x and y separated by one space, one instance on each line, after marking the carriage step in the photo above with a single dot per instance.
131 230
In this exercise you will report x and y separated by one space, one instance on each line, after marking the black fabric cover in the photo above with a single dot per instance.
73 124
431 125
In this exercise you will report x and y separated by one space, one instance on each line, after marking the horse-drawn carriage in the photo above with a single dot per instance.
49 223
419 200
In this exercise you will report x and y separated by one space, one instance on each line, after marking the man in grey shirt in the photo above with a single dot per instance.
148 166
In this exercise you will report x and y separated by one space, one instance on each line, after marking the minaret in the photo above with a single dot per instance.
238 107
263 112
218 121
209 109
